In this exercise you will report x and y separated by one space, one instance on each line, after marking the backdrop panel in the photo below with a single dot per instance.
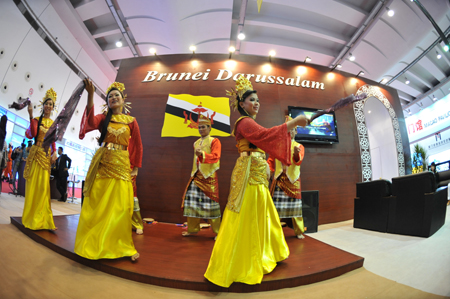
333 169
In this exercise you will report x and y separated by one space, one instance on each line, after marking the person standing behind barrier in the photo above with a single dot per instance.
7 172
63 164
17 161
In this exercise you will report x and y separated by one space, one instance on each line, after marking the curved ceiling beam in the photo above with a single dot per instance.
208 12
436 42
143 17
369 22
122 28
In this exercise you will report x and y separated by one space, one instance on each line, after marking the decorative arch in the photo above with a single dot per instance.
364 145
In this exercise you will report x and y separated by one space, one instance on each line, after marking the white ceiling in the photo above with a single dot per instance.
325 30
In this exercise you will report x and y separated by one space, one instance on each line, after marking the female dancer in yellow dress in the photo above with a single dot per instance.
251 241
104 228
37 212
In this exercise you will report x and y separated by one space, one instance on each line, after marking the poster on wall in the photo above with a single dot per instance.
430 129
183 110
430 120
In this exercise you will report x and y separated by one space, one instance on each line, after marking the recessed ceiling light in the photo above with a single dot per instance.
241 36
390 12
119 44
272 53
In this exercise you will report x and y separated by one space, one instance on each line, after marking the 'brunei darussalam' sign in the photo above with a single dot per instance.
224 74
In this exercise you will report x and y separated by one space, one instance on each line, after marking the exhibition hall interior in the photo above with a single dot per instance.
239 148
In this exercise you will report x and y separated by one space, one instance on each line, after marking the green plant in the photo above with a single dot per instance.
419 157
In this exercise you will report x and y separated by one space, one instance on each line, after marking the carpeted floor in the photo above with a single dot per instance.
30 270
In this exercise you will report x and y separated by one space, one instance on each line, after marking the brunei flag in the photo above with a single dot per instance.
182 111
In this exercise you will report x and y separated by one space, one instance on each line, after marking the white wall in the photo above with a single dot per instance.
22 45
383 149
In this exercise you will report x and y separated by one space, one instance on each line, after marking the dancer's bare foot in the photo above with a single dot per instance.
135 257
215 238
53 229
301 236
139 231
185 234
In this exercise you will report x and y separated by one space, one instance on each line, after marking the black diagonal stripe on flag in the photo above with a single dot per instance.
180 113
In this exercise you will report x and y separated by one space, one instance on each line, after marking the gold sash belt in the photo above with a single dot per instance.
114 146
254 154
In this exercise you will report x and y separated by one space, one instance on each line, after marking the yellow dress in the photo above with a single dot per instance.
37 211
104 228
251 240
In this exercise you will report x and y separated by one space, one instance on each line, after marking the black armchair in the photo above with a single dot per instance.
372 205
417 208
443 178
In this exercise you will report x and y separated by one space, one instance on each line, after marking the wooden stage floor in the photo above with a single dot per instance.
170 260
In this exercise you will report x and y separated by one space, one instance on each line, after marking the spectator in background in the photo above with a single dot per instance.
17 159
26 151
433 167
8 169
62 172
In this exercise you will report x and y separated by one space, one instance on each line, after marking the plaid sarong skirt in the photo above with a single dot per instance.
198 205
286 206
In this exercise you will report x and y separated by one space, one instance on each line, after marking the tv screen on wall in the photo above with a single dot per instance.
322 130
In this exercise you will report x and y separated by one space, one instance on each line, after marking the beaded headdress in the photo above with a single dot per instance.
120 87
50 94
242 85
204 120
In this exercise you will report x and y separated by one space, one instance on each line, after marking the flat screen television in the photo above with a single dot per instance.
322 130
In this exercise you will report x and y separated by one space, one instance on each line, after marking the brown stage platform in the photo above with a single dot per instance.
170 260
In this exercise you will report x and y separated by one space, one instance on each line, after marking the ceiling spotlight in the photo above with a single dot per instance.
231 49
384 80
446 48
361 73
406 81
390 12
119 44
241 36
434 98
152 51
272 53
438 56
351 57
338 66
307 59
192 49
409 111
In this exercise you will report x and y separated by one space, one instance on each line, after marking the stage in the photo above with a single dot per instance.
167 259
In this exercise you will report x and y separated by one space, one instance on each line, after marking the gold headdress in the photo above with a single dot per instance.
50 94
120 87
288 118
204 120
242 85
